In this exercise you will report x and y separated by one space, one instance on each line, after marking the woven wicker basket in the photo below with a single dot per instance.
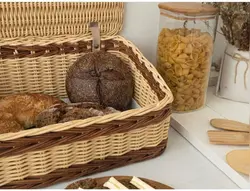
46 18
38 158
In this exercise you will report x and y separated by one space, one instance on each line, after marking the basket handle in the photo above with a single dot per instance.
95 30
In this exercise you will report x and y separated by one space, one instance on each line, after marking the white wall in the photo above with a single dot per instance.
220 44
141 27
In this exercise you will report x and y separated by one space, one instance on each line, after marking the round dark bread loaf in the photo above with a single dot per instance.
100 77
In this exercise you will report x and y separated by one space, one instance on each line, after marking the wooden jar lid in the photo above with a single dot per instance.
189 8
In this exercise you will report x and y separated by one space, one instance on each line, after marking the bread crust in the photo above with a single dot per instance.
69 112
100 77
19 111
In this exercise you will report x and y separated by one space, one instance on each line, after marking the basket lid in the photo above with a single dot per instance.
189 8
20 19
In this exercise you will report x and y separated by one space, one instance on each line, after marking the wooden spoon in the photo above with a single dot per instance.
239 160
228 137
230 125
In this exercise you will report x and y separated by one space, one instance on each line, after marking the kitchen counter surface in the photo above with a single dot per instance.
180 166
194 126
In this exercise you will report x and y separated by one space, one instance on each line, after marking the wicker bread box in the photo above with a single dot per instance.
39 41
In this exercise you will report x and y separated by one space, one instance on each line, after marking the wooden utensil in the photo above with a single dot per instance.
102 180
230 125
239 160
228 137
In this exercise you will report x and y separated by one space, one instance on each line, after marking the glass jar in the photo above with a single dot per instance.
184 53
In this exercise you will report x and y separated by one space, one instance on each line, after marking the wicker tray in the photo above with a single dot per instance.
37 158
102 180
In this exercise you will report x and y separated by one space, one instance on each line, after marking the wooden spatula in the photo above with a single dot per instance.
228 137
239 160
230 125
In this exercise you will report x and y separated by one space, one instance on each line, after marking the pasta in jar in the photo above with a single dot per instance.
184 63
184 57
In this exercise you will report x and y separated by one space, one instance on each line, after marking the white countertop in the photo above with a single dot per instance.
180 166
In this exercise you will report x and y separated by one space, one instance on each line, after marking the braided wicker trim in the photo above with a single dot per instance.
49 140
44 161
76 171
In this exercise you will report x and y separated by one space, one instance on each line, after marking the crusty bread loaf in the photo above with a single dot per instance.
68 112
19 111
8 123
